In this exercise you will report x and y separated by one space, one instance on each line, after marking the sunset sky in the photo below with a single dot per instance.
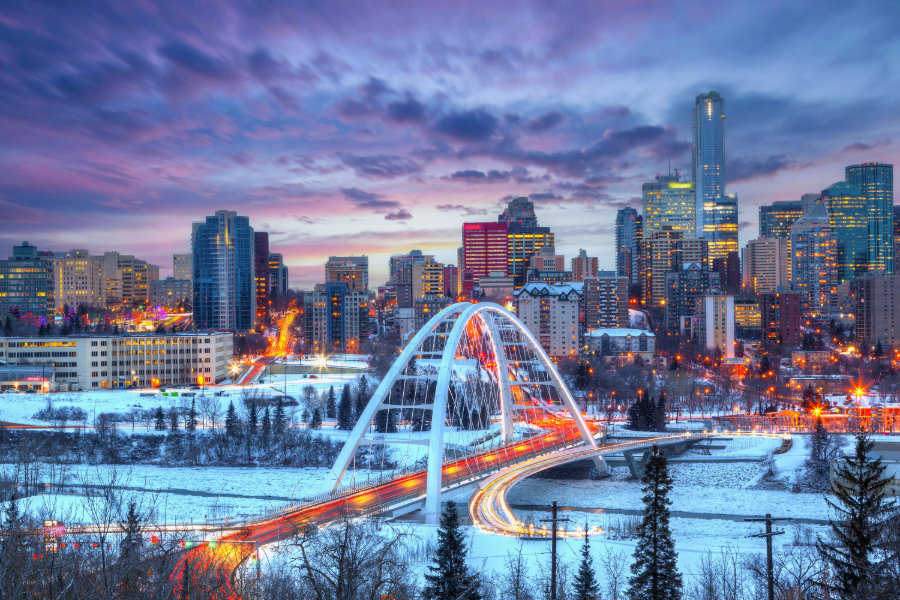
378 127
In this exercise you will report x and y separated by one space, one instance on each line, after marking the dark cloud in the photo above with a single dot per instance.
467 211
400 215
409 110
372 201
469 126
617 112
381 166
746 169
517 174
196 61
861 147
545 122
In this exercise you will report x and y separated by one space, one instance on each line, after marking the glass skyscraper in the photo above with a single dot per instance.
669 201
876 182
708 153
848 214
627 245
720 227
775 220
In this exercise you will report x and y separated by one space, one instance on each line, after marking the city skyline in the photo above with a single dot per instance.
339 140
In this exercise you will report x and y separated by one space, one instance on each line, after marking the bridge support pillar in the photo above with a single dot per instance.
602 466
636 466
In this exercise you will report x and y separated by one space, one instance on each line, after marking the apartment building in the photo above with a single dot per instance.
551 314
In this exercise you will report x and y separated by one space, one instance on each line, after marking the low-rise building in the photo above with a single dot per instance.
427 307
619 342
810 359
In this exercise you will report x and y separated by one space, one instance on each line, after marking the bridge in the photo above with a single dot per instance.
472 404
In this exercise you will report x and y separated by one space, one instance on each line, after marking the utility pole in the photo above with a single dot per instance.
554 520
769 534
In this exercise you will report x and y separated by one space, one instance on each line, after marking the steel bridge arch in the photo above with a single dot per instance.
495 319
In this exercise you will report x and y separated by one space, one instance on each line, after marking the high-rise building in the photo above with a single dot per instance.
26 283
78 278
182 266
775 220
876 182
878 310
354 270
278 274
224 272
668 201
765 265
520 211
605 301
683 286
521 244
729 270
715 323
335 319
551 314
629 227
746 317
849 216
171 293
451 281
664 250
585 266
708 153
814 260
807 202
720 226
398 265
261 274
126 279
485 250
427 279
781 314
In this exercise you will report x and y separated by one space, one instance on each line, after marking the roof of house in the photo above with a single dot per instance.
620 332
538 288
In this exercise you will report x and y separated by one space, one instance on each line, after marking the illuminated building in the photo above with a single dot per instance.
427 307
78 279
451 280
629 229
335 318
849 217
765 265
746 317
519 211
684 285
729 270
497 285
224 272
814 260
781 314
353 270
26 283
427 279
398 267
182 266
808 201
551 314
876 182
261 274
621 342
878 310
170 292
715 323
775 220
127 279
605 301
551 277
664 251
105 361
708 154
583 266
521 244
669 202
278 274
720 226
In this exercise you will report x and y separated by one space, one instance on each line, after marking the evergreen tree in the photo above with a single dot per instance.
449 577
879 351
116 329
160 419
7 326
674 365
362 397
252 419
386 421
173 419
765 364
266 427
345 410
585 586
316 422
861 509
654 574
659 413
278 420
191 424
331 404
231 420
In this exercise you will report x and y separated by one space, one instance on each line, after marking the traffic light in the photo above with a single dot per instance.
255 559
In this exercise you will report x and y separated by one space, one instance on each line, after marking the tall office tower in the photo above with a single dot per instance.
684 285
585 266
715 323
729 270
278 274
876 182
720 226
807 202
605 301
775 220
520 211
261 274
523 243
668 201
484 251
708 153
664 250
897 222
849 215
182 266
427 279
878 309
26 284
78 278
354 270
399 262
765 265
781 314
814 260
224 283
627 244
551 314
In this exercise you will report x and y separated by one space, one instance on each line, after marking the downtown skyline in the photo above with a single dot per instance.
342 129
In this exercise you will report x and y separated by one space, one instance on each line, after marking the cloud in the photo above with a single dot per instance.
400 215
409 110
467 211
545 122
381 166
746 169
517 174
861 147
469 126
364 200
194 60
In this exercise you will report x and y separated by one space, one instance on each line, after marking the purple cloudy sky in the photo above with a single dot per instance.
376 127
